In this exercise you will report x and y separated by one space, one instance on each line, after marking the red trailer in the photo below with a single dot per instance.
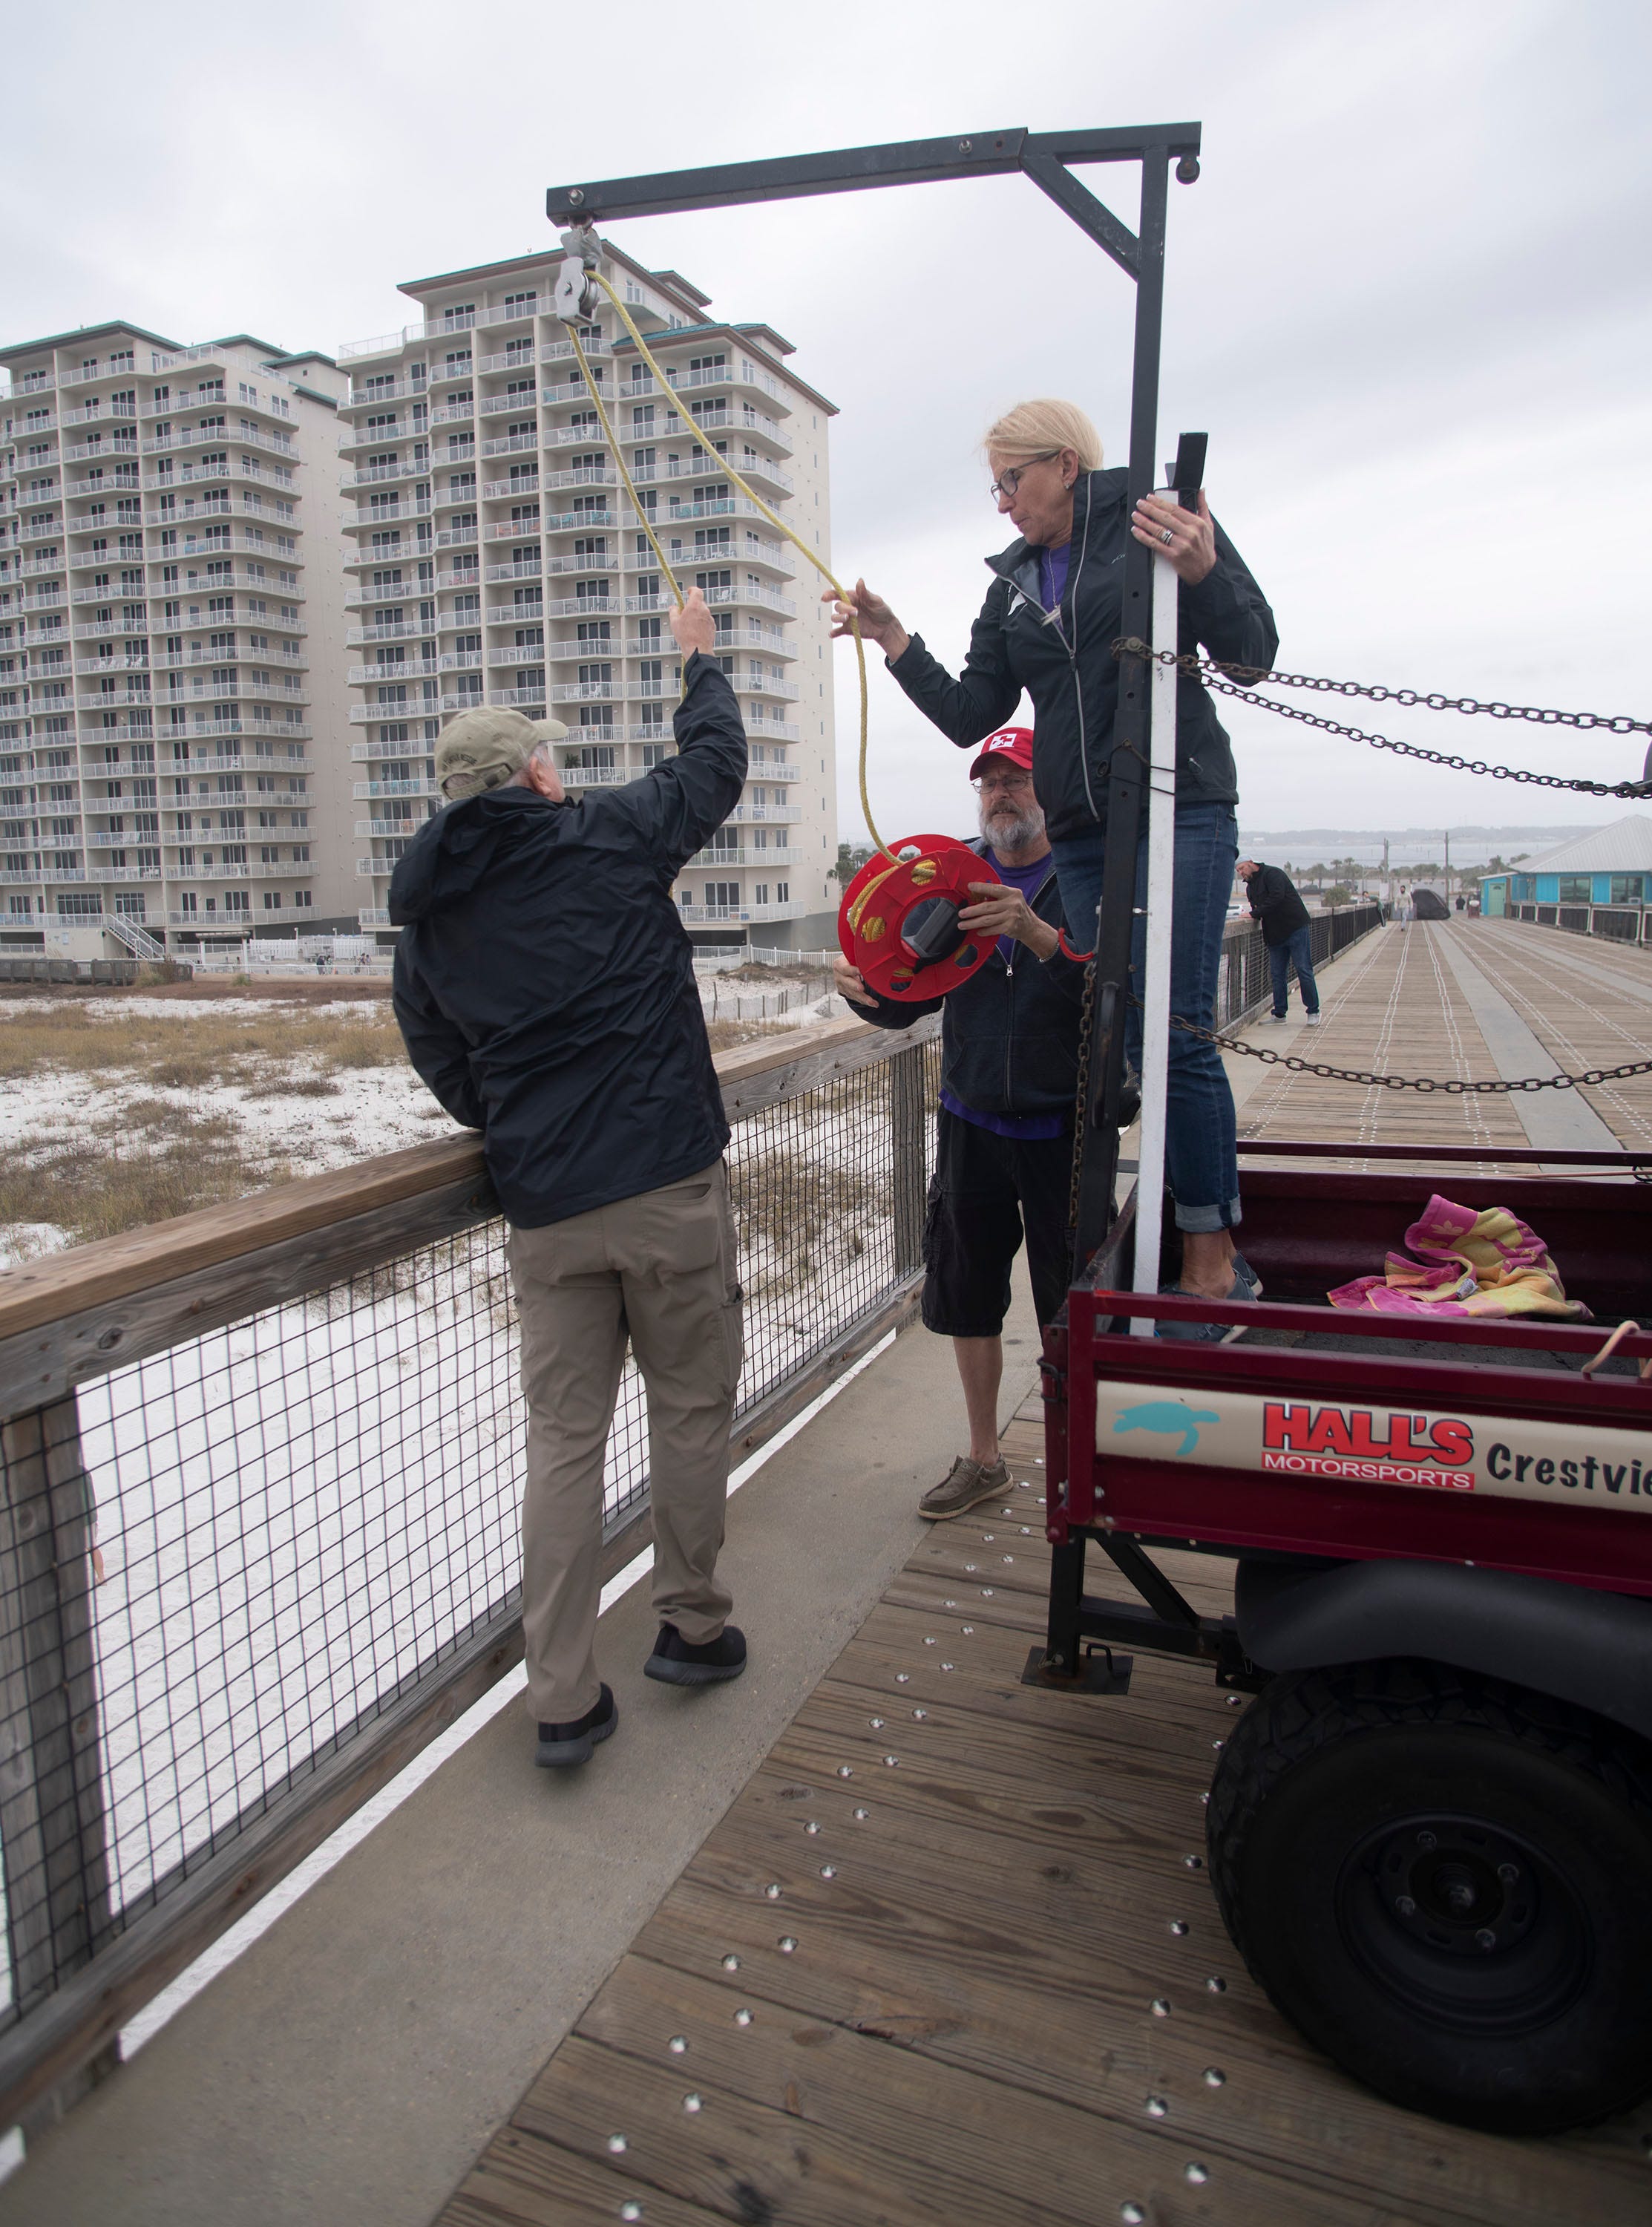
1430 1833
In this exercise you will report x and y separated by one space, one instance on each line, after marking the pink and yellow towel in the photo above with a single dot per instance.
1472 1264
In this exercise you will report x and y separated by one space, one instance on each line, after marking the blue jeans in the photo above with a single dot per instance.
1202 1162
1296 951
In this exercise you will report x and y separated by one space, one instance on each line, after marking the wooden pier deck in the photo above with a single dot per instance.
950 1959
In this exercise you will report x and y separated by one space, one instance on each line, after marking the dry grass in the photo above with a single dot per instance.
192 1049
155 1161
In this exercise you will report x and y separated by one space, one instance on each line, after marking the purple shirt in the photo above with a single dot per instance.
1028 880
1052 574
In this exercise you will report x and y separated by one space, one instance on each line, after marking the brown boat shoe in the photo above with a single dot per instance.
965 1485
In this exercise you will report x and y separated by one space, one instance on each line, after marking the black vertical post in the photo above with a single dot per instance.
1127 765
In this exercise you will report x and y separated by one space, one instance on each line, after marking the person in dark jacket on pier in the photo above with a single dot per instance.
1003 1136
1047 626
1286 933
544 987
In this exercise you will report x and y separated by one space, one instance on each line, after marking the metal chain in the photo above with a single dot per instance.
1452 1088
1081 1111
1218 677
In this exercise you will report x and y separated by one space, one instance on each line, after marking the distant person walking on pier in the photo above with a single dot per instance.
1285 931
1003 1136
544 987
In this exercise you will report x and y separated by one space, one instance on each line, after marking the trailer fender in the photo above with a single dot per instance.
1590 1648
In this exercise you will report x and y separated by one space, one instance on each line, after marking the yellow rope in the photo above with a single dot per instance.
724 464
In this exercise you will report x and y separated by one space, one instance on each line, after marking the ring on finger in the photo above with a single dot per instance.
1167 538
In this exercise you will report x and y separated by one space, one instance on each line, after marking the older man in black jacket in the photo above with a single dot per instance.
544 988
1003 1138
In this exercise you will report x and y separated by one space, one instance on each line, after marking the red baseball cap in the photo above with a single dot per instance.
1012 743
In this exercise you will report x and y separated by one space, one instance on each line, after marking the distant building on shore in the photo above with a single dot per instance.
170 644
1608 871
493 556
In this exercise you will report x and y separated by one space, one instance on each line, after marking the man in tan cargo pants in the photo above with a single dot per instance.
546 990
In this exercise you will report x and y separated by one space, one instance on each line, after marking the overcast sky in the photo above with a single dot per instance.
1407 298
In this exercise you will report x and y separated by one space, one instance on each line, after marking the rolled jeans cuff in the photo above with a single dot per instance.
1201 1219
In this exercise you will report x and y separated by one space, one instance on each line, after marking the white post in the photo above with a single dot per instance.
1155 986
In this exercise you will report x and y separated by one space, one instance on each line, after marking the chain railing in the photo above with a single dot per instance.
1244 680
260 1469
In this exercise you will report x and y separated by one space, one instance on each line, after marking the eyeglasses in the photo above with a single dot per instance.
1007 483
1012 784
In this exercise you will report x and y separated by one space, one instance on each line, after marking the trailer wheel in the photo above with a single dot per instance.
1446 1883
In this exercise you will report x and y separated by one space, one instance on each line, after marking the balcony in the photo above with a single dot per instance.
462 660
31 567
586 692
578 777
391 630
503 490
587 653
103 667
745 814
392 830
378 475
364 790
721 417
580 607
781 856
527 568
766 770
362 753
372 916
522 654
368 676
772 730
221 437
695 916
514 529
511 445
764 684
751 549
580 521
454 412
520 699
393 390
583 437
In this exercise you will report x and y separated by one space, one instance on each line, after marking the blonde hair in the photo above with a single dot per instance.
1033 428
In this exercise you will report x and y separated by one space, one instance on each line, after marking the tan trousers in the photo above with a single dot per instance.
658 1269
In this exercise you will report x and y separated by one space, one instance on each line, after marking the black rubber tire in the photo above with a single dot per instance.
1372 1939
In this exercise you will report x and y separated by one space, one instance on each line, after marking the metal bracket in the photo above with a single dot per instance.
1103 1672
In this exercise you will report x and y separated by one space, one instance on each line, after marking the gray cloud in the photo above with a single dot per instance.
1406 298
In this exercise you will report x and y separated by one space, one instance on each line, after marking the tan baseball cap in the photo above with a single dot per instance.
489 745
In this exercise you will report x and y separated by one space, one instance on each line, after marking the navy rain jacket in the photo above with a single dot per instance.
545 983
1064 660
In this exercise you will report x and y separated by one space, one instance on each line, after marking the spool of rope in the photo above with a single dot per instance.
898 923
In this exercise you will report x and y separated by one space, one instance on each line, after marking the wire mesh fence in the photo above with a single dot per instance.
222 1564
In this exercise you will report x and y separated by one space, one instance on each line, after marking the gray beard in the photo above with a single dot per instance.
1015 834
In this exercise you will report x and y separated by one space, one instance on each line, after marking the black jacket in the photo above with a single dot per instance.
1008 1036
1274 902
1065 662
545 985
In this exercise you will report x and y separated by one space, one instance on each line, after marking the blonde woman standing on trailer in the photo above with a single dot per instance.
1047 626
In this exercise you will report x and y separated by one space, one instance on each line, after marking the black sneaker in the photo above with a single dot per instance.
679 1664
561 1745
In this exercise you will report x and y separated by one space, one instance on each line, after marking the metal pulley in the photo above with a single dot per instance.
576 296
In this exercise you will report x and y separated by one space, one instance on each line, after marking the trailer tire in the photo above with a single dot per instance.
1445 1882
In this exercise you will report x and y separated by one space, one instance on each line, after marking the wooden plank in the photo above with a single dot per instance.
909 2154
757 1077
523 2181
1018 2154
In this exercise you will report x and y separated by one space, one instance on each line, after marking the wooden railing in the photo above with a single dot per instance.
163 1329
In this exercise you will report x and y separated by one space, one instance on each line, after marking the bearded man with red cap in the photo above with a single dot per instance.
1004 1139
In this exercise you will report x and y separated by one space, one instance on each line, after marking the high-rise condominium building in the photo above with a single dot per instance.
169 649
493 558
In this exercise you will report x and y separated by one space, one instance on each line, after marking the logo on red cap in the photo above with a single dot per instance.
1012 743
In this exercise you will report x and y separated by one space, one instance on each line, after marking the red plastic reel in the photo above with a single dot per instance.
873 914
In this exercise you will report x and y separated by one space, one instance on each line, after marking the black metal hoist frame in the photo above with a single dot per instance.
1044 157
